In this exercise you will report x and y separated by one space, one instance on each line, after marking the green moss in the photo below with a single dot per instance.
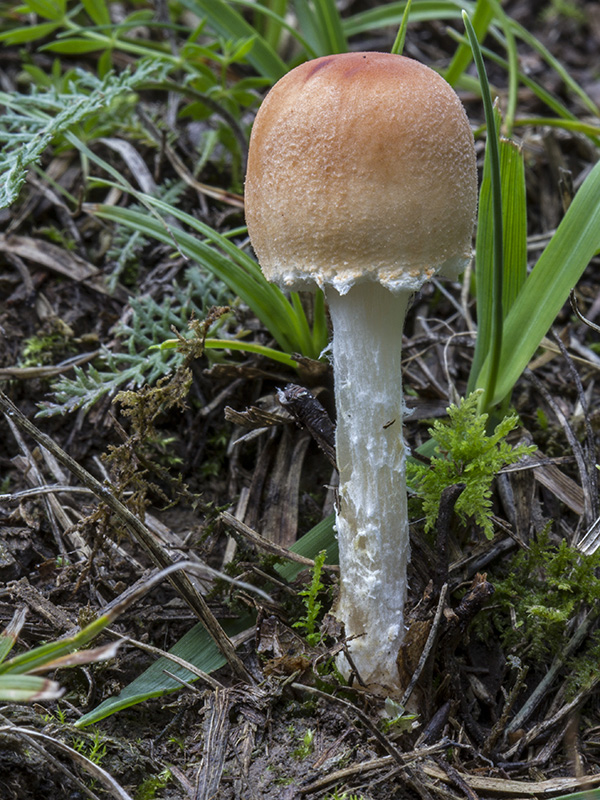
313 606
55 340
544 589
465 453
306 746
148 789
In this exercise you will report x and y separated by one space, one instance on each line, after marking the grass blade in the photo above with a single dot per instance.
11 632
574 125
27 689
280 22
547 288
398 46
320 335
300 323
392 13
514 213
311 30
329 19
556 65
271 26
513 64
481 19
230 24
495 312
250 347
543 94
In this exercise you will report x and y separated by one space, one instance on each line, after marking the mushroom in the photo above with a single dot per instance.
362 181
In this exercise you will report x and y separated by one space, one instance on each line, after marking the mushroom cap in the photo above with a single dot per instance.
361 168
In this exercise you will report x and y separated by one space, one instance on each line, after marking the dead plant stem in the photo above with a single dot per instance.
139 533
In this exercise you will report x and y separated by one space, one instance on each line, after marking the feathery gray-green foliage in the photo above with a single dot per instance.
140 362
31 122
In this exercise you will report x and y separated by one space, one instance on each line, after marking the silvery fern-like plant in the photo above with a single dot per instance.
138 361
31 123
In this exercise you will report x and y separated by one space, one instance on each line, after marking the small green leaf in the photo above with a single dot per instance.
192 50
467 454
98 11
105 63
29 34
39 76
242 49
73 46
49 9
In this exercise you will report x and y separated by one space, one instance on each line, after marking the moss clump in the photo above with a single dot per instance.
465 453
543 592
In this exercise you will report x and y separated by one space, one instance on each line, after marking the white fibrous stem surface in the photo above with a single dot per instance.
372 518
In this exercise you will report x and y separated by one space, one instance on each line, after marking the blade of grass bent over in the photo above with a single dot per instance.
261 290
290 319
392 13
239 272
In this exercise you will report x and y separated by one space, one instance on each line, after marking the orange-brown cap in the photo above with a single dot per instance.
361 167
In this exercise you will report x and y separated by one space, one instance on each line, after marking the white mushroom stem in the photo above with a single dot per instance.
372 518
